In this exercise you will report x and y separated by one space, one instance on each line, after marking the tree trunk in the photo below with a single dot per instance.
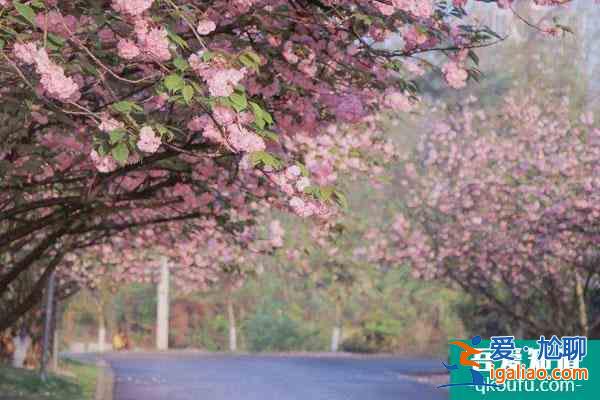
55 343
583 317
48 326
232 327
336 333
32 299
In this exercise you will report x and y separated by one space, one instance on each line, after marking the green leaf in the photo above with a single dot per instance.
303 169
267 117
261 116
88 67
178 40
181 64
25 11
258 116
56 40
267 159
254 57
224 101
326 192
250 59
137 108
2 43
312 190
101 150
238 101
196 86
188 93
259 122
116 136
124 106
340 199
268 134
474 57
174 82
120 152
207 56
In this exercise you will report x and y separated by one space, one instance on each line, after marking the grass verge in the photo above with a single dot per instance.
77 382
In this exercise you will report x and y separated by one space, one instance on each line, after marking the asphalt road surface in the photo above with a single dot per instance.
234 377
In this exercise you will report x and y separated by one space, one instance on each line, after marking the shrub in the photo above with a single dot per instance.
269 329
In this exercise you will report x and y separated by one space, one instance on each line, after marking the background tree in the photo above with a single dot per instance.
518 233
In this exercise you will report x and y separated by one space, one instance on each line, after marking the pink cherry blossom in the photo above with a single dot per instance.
196 124
455 75
128 49
148 142
25 52
154 43
53 79
206 26
221 83
398 101
132 7
242 139
103 164
108 124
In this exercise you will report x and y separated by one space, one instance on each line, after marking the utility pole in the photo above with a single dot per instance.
231 319
47 325
336 334
162 308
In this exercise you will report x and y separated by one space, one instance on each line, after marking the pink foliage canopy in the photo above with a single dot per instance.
133 113
505 203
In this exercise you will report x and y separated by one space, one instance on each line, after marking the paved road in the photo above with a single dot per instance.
233 377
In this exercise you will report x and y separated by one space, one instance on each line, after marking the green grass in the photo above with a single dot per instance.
26 385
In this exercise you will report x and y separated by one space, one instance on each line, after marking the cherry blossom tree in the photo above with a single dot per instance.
134 113
505 204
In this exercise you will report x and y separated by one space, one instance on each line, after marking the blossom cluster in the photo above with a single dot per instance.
455 75
132 7
419 8
149 141
152 43
103 163
229 129
53 78
221 80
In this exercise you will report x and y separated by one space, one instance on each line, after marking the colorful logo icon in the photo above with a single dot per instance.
468 351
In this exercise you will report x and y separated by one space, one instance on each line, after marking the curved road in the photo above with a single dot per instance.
239 377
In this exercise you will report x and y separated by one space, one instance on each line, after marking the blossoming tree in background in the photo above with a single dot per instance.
124 114
505 204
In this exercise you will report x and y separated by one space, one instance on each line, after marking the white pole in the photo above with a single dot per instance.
101 335
335 338
232 327
162 311
336 334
